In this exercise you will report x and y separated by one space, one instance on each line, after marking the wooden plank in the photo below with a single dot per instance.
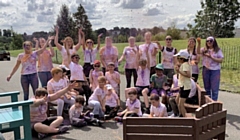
215 109
212 118
210 111
160 121
212 133
124 129
158 137
205 113
159 129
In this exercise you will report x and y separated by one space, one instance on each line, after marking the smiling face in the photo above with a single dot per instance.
191 43
42 41
148 37
168 40
27 46
68 42
89 43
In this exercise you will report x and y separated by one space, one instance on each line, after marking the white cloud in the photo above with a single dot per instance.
154 9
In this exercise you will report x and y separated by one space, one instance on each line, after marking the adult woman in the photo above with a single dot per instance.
108 53
212 58
131 54
194 57
28 60
68 48
90 53
152 51
168 60
45 61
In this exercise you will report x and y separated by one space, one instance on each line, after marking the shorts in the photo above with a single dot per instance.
47 122
140 89
159 91
184 93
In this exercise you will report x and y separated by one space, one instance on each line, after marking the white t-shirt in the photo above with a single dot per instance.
134 105
143 78
152 58
97 91
193 89
56 86
158 110
65 56
90 55
109 76
76 71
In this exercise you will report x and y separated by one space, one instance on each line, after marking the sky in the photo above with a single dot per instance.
40 15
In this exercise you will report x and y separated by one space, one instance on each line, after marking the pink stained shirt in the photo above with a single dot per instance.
111 100
143 77
208 62
90 55
97 91
45 61
152 58
95 75
65 60
136 104
109 76
167 58
28 65
109 53
56 85
131 57
195 68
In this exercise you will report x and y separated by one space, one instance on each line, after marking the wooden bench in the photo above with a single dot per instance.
202 99
209 122
12 117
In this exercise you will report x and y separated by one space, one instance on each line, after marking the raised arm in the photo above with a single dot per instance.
79 40
43 48
51 48
159 45
37 43
15 68
102 57
83 40
59 46
198 45
99 41
155 51
59 93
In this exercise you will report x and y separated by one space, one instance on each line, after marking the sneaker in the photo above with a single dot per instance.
118 119
63 129
100 122
107 117
41 135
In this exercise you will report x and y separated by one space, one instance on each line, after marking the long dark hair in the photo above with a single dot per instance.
194 49
215 45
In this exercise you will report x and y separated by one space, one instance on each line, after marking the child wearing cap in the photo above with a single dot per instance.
113 78
184 82
112 103
94 74
158 83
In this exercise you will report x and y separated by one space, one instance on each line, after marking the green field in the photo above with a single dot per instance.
229 75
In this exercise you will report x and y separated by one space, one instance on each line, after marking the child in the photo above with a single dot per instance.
174 95
55 84
40 124
94 74
112 104
97 99
113 77
77 118
142 84
158 82
157 108
133 106
184 82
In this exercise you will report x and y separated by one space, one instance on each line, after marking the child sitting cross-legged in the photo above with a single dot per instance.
157 108
77 117
133 106
42 125
112 103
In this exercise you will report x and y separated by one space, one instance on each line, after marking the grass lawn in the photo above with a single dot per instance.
230 73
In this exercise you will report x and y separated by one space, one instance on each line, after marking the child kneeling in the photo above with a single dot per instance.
77 117
133 107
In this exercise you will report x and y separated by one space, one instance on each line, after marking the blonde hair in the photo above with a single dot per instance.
102 79
56 70
27 42
131 37
65 40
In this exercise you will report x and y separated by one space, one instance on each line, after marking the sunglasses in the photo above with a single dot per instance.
89 42
97 66
168 39
76 57
209 41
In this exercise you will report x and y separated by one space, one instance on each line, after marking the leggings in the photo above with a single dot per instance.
129 73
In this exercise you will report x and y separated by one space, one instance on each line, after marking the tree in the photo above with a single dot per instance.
139 38
17 41
65 23
174 32
217 18
0 32
81 20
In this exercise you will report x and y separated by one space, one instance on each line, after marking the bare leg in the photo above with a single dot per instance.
181 107
42 128
57 122
145 97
